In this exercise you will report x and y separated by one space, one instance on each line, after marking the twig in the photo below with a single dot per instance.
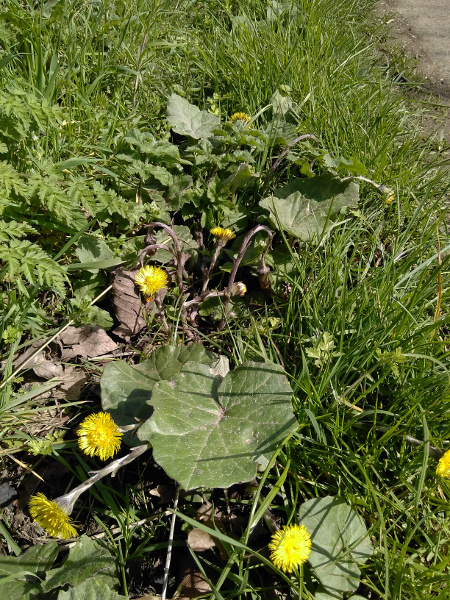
169 546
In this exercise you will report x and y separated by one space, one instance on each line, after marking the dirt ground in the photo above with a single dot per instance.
422 28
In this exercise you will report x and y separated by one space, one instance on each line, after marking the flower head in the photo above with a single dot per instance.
238 289
443 468
99 436
150 280
51 517
240 116
387 193
290 547
222 234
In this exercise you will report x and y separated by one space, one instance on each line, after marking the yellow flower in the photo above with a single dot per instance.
443 468
51 517
99 436
222 234
387 193
240 116
149 280
290 547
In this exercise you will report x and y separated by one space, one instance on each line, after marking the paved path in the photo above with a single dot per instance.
423 27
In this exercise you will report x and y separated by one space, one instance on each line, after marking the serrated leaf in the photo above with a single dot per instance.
303 207
187 119
86 559
127 389
339 541
211 432
91 589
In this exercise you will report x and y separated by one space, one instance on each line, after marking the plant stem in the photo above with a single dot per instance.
169 546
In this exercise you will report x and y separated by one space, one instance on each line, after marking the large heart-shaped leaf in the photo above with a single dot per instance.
304 206
339 540
126 389
209 431
187 119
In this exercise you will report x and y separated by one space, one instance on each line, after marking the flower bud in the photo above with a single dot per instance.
238 289
263 276
387 193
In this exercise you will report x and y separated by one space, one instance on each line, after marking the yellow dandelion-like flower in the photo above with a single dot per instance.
443 468
150 280
51 517
99 436
222 234
240 116
290 547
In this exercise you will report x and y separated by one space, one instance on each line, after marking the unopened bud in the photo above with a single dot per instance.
238 289
263 277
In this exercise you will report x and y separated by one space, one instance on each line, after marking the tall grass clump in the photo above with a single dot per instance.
96 144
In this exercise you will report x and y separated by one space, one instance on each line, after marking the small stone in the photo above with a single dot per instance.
7 493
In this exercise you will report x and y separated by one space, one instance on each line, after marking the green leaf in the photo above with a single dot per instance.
37 560
339 541
126 389
86 558
321 594
91 248
18 572
187 119
209 431
304 206
16 589
239 179
91 589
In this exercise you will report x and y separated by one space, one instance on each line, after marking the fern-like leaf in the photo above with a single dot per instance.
24 260
13 230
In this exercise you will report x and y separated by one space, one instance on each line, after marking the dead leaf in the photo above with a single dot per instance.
129 307
128 304
165 493
200 540
47 369
21 360
85 341
192 586
74 380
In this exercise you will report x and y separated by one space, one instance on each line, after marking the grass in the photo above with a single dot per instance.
372 405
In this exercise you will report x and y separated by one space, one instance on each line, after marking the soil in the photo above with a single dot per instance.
422 29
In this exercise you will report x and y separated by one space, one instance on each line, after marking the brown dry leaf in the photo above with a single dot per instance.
85 341
47 369
193 585
214 520
74 381
22 358
200 540
44 368
165 493
128 304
